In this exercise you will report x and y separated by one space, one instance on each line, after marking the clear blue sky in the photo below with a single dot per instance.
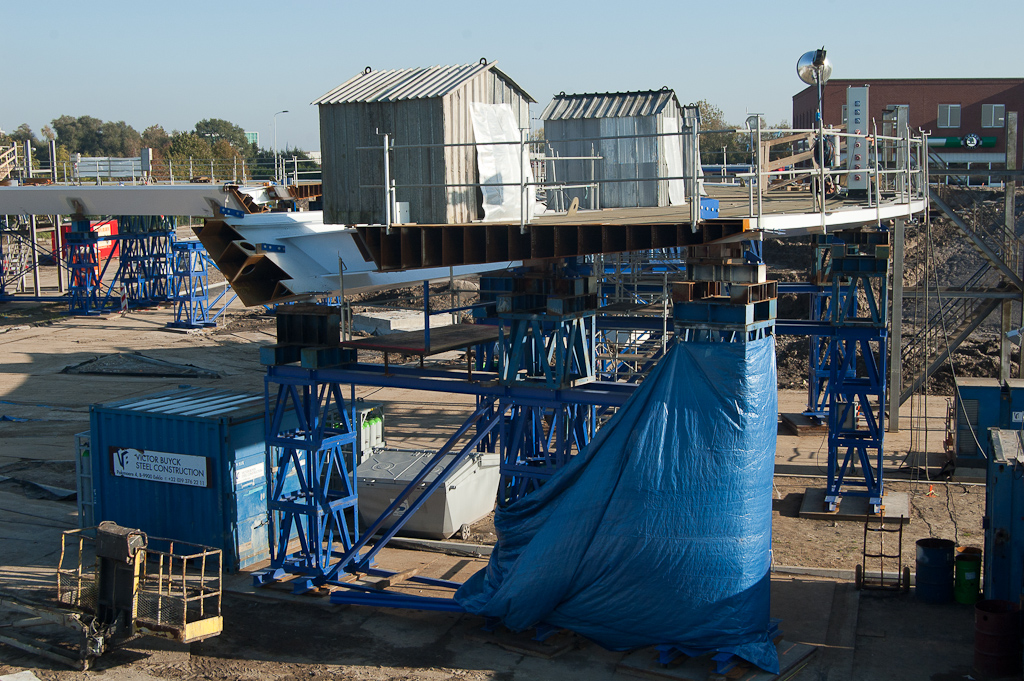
174 63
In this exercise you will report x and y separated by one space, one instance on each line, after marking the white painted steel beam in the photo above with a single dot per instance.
200 200
798 224
305 256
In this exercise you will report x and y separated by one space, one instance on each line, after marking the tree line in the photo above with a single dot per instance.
211 139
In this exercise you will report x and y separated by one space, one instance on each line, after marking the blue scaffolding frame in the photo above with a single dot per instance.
190 288
83 270
858 367
144 265
539 408
144 262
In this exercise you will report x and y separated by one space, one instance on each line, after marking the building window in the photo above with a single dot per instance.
993 115
949 116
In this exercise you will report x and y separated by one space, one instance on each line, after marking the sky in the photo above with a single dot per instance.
175 63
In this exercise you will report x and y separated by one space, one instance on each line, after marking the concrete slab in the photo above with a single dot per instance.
899 637
380 322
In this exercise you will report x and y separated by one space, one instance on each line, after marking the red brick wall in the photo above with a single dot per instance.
924 96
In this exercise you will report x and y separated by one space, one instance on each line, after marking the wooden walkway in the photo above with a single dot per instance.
442 339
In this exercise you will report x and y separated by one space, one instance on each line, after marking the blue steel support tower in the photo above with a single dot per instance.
547 332
857 366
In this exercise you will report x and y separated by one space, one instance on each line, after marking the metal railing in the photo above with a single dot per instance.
894 166
131 170
179 584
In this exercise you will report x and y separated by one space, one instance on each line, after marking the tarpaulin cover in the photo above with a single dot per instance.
501 166
660 531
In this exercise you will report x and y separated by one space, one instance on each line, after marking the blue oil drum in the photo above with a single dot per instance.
934 579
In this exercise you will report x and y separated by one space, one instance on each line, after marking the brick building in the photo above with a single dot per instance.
950 108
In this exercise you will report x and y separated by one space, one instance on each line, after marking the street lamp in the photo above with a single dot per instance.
814 68
277 175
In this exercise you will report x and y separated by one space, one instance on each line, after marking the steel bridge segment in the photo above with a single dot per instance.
279 257
810 223
417 246
200 200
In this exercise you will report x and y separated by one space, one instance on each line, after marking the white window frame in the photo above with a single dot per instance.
993 115
948 121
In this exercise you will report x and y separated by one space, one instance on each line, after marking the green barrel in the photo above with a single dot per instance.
967 575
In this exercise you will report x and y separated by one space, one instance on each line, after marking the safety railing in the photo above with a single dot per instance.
894 168
179 584
131 171
901 179
523 180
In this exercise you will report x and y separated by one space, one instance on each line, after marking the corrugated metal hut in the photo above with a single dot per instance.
572 126
415 106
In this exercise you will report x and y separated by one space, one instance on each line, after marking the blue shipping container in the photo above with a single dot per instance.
185 464
1004 516
981 404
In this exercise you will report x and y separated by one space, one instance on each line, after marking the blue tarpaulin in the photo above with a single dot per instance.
660 531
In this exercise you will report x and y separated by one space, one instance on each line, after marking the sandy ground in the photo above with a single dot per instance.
300 638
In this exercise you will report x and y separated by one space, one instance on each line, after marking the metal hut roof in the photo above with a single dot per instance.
565 107
416 83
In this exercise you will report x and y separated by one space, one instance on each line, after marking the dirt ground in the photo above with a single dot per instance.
42 408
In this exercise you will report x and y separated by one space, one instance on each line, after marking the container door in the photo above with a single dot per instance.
252 531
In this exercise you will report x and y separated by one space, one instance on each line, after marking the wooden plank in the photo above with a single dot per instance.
396 578
524 644
788 138
788 161
442 339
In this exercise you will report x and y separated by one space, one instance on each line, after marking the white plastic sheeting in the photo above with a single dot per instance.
500 165
674 162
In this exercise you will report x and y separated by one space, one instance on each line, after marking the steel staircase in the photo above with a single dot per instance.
958 316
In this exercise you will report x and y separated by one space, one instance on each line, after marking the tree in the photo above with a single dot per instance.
119 139
24 133
186 145
735 145
157 139
80 135
302 159
213 129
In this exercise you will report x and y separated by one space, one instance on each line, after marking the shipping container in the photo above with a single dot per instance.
186 464
83 480
979 406
1004 515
